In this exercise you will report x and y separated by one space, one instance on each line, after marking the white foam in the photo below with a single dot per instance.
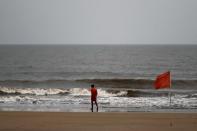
54 91
33 91
79 92
101 92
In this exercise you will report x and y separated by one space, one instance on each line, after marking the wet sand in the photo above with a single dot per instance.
61 121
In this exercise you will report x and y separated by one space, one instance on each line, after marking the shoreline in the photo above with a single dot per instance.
116 121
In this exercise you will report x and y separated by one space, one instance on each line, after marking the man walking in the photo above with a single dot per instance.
94 97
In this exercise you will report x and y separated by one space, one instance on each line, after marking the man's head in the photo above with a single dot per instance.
92 86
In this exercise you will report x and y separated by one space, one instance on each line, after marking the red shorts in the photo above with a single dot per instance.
93 98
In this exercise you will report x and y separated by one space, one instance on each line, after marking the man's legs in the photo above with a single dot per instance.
92 105
96 106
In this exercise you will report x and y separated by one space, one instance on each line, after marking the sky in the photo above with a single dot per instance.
98 22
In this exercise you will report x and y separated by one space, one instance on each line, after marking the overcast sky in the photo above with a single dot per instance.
98 21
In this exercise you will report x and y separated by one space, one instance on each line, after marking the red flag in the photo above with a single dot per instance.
163 81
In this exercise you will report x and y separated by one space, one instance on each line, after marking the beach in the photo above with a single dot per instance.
61 121
98 65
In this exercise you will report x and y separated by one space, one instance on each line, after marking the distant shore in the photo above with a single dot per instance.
61 121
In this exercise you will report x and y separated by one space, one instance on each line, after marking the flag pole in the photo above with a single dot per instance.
170 89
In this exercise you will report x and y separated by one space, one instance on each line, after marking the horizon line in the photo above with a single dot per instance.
98 44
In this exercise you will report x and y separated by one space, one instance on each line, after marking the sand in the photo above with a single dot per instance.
61 121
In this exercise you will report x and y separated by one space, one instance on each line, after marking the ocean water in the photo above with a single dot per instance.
58 77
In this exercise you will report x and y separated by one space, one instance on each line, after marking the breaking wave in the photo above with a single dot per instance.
31 91
86 92
109 83
56 91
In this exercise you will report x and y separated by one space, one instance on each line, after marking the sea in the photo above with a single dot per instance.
58 77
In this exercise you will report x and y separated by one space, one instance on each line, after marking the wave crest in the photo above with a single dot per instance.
31 91
56 91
